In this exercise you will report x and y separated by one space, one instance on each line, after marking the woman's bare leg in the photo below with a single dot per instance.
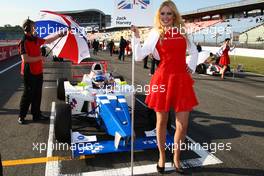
182 119
161 128
223 72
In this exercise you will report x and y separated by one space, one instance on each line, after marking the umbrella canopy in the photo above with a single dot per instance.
74 46
203 55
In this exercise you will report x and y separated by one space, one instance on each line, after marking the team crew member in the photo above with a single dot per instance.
32 70
224 59
167 44
154 62
111 45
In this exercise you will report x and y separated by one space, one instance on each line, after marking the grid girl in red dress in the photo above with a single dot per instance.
167 44
224 59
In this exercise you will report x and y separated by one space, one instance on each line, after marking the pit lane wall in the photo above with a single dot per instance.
238 51
7 52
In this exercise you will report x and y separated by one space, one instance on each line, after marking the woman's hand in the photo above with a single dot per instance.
188 69
135 30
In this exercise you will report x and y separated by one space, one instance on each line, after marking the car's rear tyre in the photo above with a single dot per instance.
60 88
171 120
63 122
152 118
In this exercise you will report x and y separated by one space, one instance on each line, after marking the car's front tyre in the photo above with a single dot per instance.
63 122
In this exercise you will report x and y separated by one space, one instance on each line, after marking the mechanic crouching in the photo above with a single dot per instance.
32 70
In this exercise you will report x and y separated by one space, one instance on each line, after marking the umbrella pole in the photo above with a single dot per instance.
53 47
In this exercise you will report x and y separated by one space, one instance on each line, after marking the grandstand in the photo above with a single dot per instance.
218 32
244 8
255 35
197 26
94 18
211 25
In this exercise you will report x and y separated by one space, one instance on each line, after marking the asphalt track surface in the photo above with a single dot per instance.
229 111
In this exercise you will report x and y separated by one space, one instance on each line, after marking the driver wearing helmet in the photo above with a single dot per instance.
99 80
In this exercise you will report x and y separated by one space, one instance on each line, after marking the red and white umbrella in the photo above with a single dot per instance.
74 46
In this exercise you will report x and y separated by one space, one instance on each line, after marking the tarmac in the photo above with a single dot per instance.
228 123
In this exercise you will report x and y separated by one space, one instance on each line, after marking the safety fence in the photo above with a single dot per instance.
8 51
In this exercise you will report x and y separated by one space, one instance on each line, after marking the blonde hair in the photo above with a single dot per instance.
177 19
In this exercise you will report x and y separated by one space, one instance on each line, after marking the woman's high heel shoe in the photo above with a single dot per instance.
160 170
178 170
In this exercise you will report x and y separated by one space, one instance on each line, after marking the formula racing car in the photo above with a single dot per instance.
105 99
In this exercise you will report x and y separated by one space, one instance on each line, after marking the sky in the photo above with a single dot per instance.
13 12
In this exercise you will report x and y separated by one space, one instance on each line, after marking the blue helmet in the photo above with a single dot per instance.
99 77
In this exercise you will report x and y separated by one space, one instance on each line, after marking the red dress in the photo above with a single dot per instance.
225 60
171 86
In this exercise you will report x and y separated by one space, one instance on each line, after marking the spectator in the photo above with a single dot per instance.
103 45
146 62
95 46
128 48
154 62
122 46
89 44
111 47
199 47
